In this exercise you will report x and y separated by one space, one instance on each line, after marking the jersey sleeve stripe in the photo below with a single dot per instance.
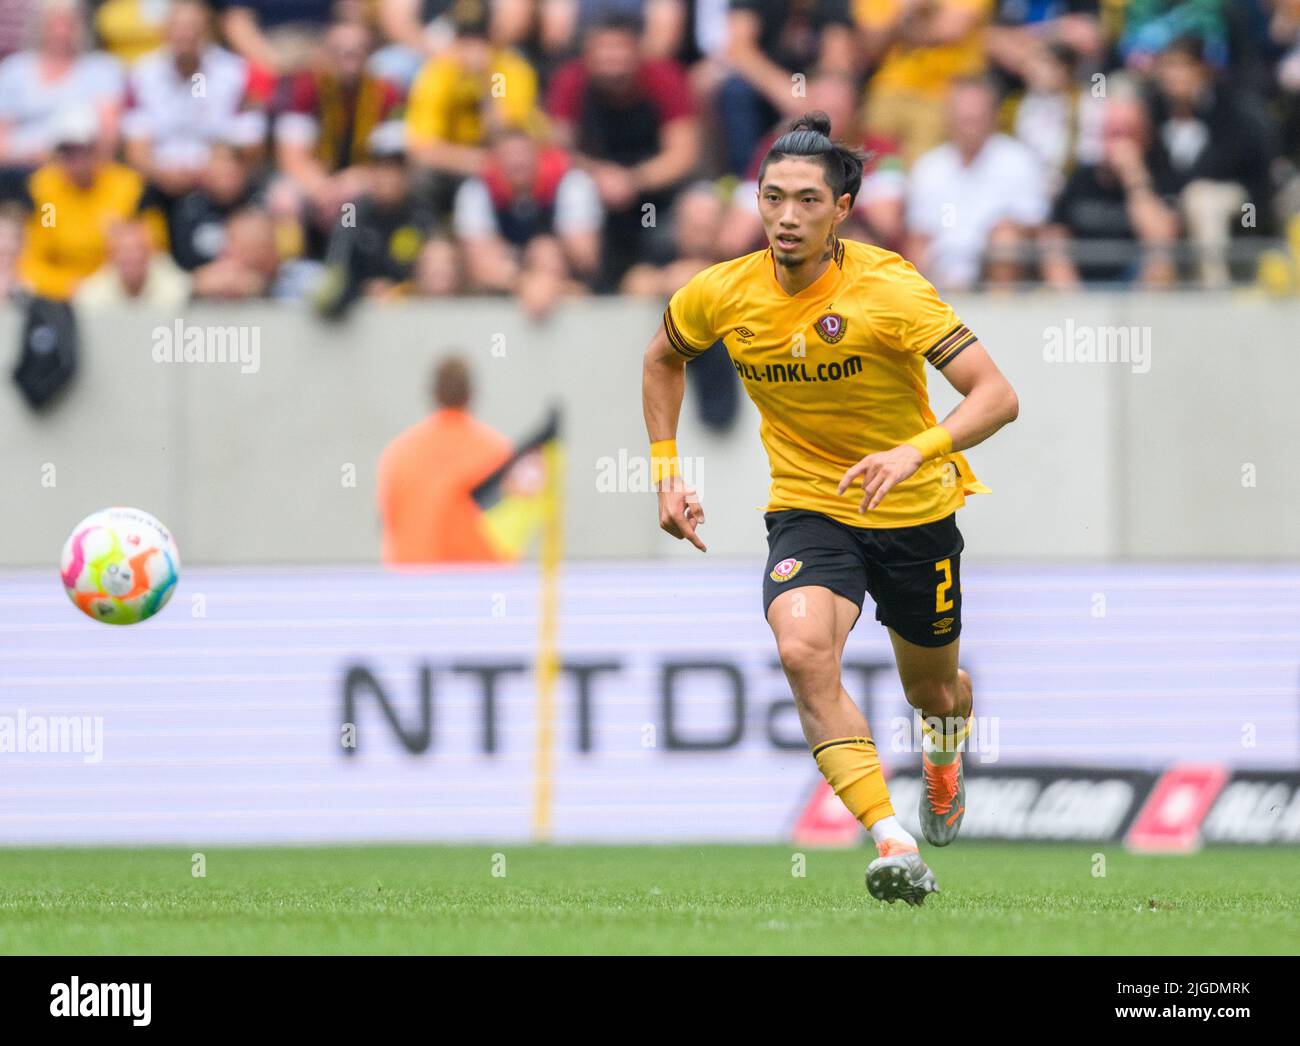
675 339
947 339
943 348
952 353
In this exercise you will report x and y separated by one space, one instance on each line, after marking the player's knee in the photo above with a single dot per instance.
935 696
803 655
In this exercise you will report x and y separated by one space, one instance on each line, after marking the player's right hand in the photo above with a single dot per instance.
680 511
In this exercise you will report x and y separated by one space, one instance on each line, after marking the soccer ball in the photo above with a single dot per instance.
120 566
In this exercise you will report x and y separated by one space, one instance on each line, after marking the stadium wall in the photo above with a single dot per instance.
1170 451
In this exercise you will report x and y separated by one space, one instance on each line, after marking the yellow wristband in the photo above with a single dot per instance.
663 460
933 442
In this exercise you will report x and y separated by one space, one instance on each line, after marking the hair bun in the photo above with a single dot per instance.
810 136
815 121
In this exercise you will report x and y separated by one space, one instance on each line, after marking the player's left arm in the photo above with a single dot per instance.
988 400
988 403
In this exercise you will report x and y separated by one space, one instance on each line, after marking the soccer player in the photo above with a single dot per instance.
830 338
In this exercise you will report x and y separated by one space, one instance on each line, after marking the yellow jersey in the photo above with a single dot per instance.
447 102
66 238
837 373
926 70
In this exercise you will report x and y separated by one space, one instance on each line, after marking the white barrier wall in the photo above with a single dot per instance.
226 718
1185 452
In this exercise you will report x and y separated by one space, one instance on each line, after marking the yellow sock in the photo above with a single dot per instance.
942 747
852 769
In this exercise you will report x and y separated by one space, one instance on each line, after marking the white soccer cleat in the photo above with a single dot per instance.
898 873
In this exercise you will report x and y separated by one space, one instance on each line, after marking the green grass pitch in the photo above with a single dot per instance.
995 899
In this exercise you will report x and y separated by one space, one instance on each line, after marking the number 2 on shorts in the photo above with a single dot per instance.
941 600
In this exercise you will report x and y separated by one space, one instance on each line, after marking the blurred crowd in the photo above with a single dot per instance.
334 150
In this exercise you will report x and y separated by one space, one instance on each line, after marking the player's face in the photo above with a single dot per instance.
799 210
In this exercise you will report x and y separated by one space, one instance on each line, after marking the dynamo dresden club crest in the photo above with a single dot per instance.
785 570
831 327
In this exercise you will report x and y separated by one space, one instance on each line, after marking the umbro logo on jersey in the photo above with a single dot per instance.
744 332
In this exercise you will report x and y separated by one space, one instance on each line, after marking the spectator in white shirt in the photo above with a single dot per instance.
57 74
135 274
183 97
975 202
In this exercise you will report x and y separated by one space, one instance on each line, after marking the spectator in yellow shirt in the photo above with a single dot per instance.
76 199
465 94
921 47
130 29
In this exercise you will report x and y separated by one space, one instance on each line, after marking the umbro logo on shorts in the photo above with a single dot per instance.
943 626
785 570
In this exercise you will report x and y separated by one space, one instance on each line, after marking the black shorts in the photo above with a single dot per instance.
912 573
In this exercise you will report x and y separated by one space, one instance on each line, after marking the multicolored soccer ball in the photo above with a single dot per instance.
120 566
